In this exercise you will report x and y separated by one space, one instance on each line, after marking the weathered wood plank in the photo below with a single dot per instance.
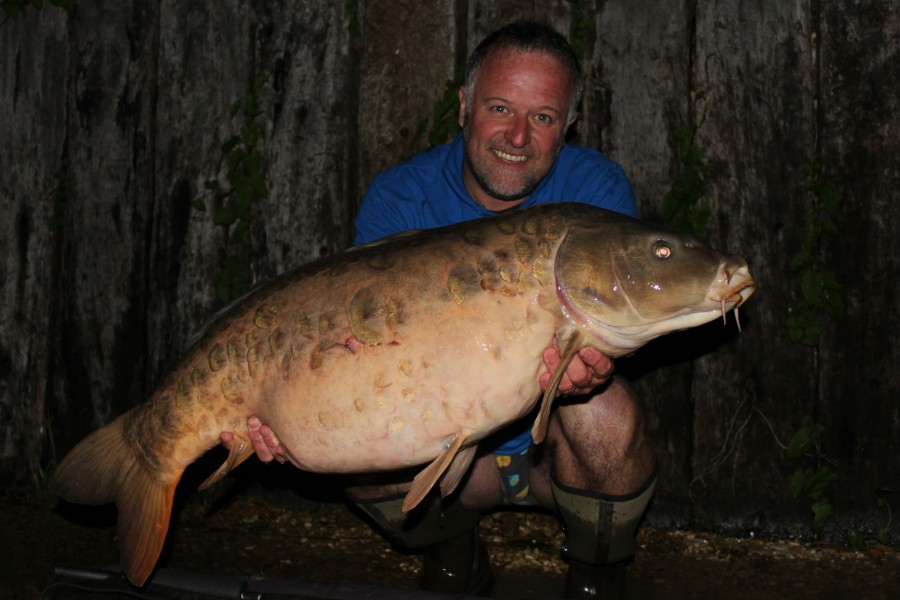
101 331
859 121
113 121
637 79
754 67
204 66
410 51
33 196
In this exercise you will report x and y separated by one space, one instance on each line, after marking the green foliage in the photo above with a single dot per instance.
444 116
818 481
821 294
884 531
49 458
583 25
352 10
245 184
16 8
855 540
682 207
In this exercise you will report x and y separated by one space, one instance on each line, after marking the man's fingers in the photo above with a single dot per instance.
264 441
272 443
588 369
600 365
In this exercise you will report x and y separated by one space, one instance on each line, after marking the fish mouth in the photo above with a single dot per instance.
741 288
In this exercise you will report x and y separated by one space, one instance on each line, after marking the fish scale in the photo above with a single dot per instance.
404 352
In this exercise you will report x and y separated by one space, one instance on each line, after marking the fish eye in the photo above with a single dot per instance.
662 250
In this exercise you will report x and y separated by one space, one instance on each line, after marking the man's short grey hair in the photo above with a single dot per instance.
527 36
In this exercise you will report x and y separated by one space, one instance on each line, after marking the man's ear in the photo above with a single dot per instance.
573 118
462 105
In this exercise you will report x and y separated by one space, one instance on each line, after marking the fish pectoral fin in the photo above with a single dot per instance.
426 478
457 469
241 450
539 430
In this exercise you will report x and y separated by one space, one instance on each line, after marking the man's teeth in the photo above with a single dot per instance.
510 157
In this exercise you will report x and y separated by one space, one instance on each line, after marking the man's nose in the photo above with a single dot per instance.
518 133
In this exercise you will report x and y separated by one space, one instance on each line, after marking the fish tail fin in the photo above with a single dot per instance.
102 468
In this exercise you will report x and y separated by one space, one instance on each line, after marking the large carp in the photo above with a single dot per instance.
403 352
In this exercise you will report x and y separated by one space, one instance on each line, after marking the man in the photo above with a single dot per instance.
596 468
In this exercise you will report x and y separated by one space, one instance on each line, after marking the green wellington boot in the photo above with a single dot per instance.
600 537
455 560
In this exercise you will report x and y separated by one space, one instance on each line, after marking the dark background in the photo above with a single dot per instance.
113 119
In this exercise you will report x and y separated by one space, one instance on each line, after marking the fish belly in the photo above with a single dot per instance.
469 369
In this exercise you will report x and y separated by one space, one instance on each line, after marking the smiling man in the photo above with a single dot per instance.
514 123
596 469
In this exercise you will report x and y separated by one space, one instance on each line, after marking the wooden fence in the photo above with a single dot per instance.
117 126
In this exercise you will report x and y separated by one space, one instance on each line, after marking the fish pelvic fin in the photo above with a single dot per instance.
539 429
101 469
430 475
459 466
241 450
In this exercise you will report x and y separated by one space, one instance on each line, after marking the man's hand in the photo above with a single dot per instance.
588 369
264 441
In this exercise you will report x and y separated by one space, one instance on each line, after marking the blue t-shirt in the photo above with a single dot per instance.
427 191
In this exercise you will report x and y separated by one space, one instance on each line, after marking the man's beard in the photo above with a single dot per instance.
526 186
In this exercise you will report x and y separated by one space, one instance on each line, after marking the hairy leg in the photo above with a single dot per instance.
600 444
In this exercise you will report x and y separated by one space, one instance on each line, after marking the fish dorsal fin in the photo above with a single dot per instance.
426 479
539 430
241 450
457 469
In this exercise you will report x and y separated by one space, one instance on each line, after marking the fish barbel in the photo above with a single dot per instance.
404 352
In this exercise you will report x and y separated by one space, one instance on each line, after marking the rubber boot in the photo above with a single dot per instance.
600 537
454 559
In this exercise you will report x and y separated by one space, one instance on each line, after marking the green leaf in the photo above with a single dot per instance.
230 144
828 226
804 325
12 9
855 540
799 482
67 5
819 481
822 513
806 438
225 216
811 283
800 443
800 261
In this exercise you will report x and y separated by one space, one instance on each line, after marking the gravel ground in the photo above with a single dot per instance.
252 535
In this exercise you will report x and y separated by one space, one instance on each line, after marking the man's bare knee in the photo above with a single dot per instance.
601 444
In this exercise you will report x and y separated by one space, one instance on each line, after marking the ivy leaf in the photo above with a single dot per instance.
819 482
225 216
799 481
822 513
811 284
230 145
832 300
